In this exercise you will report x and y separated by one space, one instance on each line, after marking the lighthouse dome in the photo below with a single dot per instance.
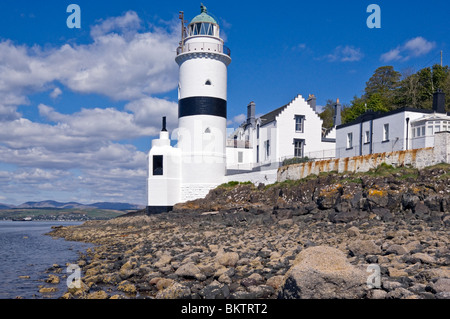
203 17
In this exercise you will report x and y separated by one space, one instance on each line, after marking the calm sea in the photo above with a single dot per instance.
25 250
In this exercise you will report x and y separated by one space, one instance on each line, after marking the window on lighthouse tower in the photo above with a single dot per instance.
201 28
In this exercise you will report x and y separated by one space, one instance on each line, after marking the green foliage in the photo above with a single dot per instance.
388 90
232 184
327 114
384 80
296 160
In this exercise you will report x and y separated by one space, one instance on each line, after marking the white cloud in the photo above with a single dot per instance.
55 93
85 155
121 65
345 54
393 55
149 111
129 22
237 120
415 47
419 46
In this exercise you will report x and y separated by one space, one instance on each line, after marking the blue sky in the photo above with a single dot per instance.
79 107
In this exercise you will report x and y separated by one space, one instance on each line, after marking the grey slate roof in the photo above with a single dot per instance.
270 117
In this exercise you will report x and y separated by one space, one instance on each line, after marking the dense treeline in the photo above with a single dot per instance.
388 90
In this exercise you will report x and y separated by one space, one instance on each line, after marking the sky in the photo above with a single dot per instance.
80 106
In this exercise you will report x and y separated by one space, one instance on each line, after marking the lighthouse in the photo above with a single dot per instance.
202 105
197 164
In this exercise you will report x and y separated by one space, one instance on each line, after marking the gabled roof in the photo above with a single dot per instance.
270 117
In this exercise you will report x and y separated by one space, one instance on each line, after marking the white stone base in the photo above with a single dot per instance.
266 177
193 191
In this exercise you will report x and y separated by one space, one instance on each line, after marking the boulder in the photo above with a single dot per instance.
364 247
174 291
228 259
323 272
189 270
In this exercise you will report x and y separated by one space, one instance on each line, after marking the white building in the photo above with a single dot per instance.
397 130
293 130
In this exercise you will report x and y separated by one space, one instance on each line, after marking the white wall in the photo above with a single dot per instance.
164 190
233 158
397 135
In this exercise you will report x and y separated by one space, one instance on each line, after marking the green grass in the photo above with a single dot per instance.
234 184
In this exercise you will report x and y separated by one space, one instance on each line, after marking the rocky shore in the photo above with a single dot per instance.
313 238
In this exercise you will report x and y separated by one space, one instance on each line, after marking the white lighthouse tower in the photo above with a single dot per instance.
198 163
202 106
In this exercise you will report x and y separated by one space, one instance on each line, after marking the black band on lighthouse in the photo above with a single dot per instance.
202 105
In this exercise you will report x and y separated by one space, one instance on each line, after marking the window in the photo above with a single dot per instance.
157 165
385 132
208 82
208 130
267 146
367 137
201 29
257 153
298 147
437 127
423 130
257 131
299 119
240 157
418 131
349 140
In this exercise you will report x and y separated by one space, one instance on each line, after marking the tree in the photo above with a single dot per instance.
384 81
328 114
358 106
408 91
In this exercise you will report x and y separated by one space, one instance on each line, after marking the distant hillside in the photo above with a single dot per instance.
73 205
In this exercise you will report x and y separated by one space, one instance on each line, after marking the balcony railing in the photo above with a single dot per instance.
204 47
238 144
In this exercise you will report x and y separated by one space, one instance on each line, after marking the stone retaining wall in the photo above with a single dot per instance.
418 158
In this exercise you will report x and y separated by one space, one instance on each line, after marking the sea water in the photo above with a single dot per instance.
25 250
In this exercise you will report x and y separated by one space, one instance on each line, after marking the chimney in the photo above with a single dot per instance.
251 113
439 101
312 102
164 134
164 124
337 114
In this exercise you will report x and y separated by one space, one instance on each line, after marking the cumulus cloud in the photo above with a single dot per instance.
415 47
122 65
85 155
55 93
345 54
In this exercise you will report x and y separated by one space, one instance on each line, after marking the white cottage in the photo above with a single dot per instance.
293 130
397 130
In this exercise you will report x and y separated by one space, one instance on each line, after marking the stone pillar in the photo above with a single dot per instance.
442 147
